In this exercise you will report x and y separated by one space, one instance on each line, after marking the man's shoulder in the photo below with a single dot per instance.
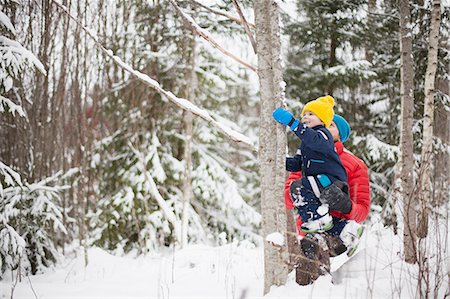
348 157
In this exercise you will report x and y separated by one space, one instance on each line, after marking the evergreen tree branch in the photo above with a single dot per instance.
180 102
165 208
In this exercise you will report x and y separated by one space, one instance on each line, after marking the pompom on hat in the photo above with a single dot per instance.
323 108
342 126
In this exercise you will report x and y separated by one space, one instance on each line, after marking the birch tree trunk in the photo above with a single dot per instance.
188 93
272 142
406 132
427 155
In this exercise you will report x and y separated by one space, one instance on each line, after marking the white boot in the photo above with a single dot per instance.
319 225
351 236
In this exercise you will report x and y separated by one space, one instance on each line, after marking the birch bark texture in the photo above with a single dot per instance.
427 155
406 132
272 141
188 122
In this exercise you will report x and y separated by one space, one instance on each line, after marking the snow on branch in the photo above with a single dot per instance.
5 21
182 103
15 48
168 213
10 177
207 36
10 106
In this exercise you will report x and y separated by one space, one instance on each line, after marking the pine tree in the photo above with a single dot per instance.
140 118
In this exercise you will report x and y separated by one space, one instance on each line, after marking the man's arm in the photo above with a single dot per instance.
293 176
359 186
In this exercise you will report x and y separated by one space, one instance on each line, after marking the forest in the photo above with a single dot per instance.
141 127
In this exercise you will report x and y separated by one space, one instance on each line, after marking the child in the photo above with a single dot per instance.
319 162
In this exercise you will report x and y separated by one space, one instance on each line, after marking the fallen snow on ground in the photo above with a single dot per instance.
234 270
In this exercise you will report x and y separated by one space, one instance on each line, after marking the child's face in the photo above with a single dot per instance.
334 131
310 119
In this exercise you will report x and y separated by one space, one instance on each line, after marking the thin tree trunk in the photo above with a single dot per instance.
270 139
189 90
371 24
427 155
333 60
441 179
41 95
406 132
58 117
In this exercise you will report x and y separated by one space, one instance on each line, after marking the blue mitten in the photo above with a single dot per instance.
286 118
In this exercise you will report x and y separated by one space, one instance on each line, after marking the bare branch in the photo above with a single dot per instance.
182 103
245 23
205 34
221 13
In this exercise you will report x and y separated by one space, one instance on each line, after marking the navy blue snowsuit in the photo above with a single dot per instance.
318 161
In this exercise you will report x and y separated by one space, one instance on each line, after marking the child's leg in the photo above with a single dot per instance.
314 215
338 226
349 231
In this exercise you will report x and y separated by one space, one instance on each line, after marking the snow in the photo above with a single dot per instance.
275 238
234 270
12 108
5 21
15 47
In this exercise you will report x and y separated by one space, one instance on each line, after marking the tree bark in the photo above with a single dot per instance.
272 144
427 155
441 176
406 132
39 117
188 93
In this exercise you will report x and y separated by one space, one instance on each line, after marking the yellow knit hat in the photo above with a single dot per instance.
323 108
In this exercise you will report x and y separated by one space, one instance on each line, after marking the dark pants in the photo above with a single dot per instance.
307 204
315 259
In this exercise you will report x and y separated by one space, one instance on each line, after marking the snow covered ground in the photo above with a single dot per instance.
234 270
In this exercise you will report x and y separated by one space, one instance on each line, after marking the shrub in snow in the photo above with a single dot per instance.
129 217
30 219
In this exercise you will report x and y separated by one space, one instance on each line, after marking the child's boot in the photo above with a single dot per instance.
351 236
322 224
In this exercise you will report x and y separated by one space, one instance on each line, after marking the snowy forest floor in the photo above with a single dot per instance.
234 270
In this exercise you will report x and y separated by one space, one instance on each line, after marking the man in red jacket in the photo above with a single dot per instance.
354 206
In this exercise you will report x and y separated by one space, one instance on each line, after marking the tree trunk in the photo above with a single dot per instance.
371 24
427 155
39 117
441 178
188 93
406 132
271 150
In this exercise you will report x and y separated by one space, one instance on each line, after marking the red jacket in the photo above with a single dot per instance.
358 181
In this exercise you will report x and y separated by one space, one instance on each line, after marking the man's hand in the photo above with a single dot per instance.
337 198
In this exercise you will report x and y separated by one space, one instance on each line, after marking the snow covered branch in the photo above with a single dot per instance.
165 208
207 36
182 103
